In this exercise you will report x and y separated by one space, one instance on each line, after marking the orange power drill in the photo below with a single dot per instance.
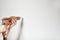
8 21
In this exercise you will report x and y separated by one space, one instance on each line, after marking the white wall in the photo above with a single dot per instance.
41 17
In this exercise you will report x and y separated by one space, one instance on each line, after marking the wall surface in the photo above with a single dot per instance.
41 17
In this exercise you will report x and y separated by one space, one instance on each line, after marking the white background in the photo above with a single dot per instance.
41 17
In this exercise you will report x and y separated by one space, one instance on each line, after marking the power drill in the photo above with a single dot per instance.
7 21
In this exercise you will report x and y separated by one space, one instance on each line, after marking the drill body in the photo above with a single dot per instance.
8 22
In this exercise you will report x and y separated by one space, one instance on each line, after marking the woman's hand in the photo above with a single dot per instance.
13 22
2 28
